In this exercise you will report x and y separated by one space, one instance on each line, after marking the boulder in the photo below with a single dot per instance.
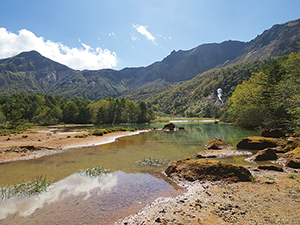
260 143
217 144
271 167
293 158
207 169
293 163
264 155
273 133
169 126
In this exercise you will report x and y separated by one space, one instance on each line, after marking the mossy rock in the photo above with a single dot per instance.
217 144
264 155
206 169
292 154
260 143
273 133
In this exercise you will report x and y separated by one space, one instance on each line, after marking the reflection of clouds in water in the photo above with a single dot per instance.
75 184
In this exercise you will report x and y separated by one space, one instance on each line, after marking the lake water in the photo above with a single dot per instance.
78 199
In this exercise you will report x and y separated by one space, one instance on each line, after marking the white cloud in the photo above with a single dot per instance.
112 34
143 31
74 185
76 58
134 38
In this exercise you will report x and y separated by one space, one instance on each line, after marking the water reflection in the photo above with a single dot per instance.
76 184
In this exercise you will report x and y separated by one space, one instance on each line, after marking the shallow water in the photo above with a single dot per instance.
77 199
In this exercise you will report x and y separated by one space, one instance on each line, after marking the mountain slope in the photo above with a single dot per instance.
30 72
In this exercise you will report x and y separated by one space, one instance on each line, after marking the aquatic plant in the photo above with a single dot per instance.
96 171
153 161
24 189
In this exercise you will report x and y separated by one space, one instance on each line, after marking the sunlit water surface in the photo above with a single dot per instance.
78 199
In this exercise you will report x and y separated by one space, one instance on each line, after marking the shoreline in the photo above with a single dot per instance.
17 147
273 198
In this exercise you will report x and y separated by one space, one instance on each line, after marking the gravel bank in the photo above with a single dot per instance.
273 198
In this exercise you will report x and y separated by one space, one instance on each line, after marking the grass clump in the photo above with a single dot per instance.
24 189
131 129
293 176
98 133
153 161
80 136
293 192
96 171
25 136
268 177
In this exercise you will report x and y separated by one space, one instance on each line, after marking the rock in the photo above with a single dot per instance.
263 155
260 143
181 128
169 126
221 153
217 144
271 167
273 133
206 169
293 163
292 154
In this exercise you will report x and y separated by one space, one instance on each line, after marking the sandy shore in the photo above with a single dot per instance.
48 142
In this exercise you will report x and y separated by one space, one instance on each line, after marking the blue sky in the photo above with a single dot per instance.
95 34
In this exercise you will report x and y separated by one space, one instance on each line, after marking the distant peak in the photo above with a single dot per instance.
30 53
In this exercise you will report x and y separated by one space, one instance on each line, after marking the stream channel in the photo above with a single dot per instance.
74 198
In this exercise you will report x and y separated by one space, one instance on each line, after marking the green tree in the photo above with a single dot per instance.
70 112
244 104
46 116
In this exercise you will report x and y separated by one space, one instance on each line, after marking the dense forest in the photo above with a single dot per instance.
20 108
270 98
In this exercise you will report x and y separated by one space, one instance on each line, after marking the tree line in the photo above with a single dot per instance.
270 98
19 108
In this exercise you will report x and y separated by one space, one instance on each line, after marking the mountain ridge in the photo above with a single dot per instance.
30 72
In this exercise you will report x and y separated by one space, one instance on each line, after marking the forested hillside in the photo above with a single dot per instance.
198 96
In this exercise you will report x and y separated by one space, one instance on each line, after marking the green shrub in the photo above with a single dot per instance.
25 136
81 136
131 129
98 133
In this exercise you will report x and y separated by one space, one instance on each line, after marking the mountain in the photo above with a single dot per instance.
31 72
